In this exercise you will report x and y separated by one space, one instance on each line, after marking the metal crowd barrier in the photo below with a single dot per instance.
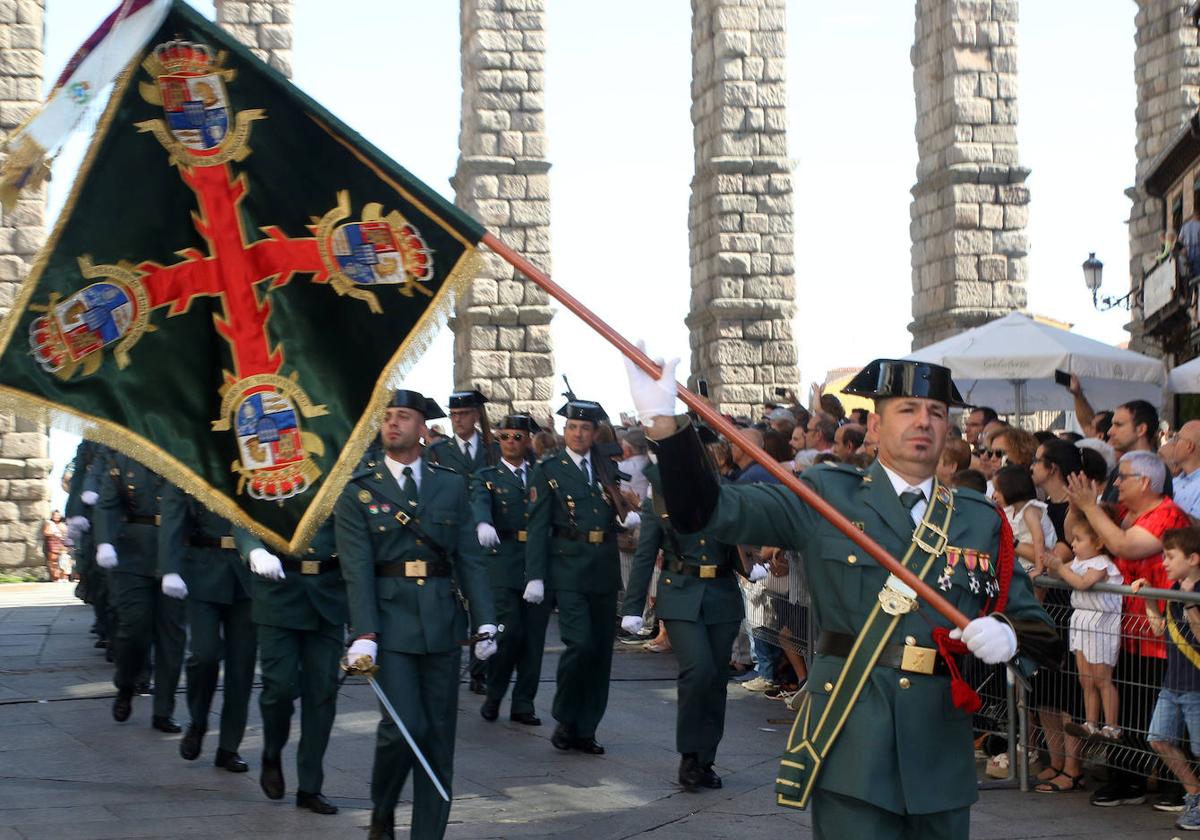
1027 718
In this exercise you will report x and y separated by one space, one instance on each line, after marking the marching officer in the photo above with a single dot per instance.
882 742
149 611
575 511
408 550
499 495
79 512
468 449
197 550
300 613
699 599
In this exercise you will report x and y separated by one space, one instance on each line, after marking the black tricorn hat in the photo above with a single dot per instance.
520 423
417 401
584 410
885 378
467 399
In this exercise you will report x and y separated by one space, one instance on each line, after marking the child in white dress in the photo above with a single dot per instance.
1013 490
1095 630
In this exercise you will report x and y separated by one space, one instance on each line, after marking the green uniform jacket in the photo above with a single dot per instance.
905 747
498 499
85 455
129 489
216 575
681 596
298 602
410 615
570 503
447 453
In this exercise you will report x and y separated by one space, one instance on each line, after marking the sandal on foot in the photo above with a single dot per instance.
1053 786
1054 772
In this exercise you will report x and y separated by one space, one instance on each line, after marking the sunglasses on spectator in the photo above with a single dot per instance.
511 436
992 453
1122 476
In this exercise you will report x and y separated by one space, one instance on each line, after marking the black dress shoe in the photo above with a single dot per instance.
709 778
490 710
588 745
144 689
271 779
478 686
165 724
230 761
315 802
561 739
122 705
527 718
690 774
381 831
189 744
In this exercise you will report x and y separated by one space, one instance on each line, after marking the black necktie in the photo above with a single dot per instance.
583 465
521 476
410 486
467 450
910 498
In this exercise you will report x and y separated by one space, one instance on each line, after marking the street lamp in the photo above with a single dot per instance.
1093 273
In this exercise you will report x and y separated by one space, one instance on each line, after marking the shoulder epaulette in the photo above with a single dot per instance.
442 467
847 470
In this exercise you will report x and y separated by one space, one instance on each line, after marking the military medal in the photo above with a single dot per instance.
970 559
386 508
952 556
373 508
991 585
364 496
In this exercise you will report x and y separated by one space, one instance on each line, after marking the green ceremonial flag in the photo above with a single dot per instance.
234 285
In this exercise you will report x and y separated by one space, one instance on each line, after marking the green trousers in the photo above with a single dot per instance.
520 648
587 628
304 664
221 632
145 618
423 689
836 816
702 651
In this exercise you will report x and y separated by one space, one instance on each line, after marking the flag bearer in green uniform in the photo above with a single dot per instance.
699 599
149 609
469 449
196 547
406 541
300 613
882 742
499 495
575 512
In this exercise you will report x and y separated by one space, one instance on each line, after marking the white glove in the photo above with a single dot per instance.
265 564
631 520
80 523
990 639
106 556
89 497
486 647
535 591
173 586
486 534
758 571
632 624
361 655
652 397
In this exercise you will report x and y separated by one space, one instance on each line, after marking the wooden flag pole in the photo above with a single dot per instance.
714 419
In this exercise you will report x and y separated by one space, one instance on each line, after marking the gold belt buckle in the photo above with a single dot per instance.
708 572
310 567
227 542
595 537
918 660
416 568
402 517
522 536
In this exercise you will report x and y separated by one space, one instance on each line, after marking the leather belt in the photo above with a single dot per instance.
698 570
311 565
142 519
910 658
514 536
413 569
225 542
592 537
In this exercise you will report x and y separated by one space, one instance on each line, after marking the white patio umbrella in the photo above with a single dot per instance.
1009 365
1185 379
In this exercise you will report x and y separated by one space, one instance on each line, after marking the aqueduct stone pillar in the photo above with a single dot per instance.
502 342
970 202
24 465
740 215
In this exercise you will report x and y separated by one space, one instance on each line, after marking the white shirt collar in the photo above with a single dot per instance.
397 470
473 440
577 458
513 470
900 484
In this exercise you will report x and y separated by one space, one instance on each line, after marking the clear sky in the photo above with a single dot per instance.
620 144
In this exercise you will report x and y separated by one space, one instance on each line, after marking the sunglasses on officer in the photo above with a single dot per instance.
511 435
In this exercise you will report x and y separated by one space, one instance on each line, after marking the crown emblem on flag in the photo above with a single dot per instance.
184 57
